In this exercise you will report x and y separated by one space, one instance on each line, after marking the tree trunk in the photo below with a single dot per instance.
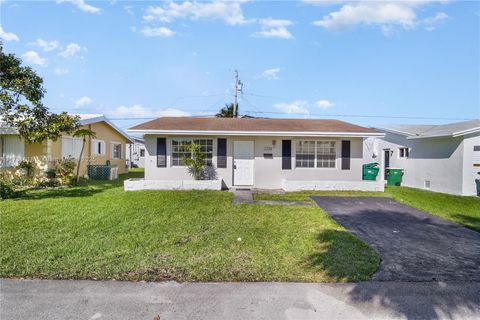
79 161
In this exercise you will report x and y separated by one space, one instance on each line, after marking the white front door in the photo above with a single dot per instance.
243 160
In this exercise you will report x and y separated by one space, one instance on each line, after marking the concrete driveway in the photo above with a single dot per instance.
413 245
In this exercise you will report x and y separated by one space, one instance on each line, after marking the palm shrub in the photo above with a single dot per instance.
195 164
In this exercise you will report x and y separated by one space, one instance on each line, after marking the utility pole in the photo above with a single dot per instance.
237 88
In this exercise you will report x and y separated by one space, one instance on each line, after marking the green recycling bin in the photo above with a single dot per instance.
394 177
370 171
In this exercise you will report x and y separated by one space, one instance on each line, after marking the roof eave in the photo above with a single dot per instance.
259 133
468 131
430 137
403 133
103 118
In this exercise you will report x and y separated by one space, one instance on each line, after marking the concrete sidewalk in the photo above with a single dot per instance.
45 299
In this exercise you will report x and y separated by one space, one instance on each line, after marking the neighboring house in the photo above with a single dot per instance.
442 158
136 153
292 154
109 144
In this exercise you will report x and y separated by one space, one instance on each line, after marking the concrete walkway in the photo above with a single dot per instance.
45 299
243 196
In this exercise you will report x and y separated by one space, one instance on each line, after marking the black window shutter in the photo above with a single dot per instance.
221 153
346 155
286 154
161 152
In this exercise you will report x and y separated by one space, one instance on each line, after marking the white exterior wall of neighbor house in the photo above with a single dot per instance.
438 160
134 153
471 163
268 173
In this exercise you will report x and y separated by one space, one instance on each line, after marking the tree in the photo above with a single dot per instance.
196 163
82 133
21 93
228 111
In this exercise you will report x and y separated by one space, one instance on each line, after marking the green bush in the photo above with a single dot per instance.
49 183
64 169
27 177
7 190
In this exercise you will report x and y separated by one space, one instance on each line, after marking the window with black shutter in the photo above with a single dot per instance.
286 154
161 152
221 153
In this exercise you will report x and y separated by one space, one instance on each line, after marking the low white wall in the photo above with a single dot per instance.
141 184
296 185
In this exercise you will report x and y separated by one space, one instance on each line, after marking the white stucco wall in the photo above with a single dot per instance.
438 160
471 163
268 173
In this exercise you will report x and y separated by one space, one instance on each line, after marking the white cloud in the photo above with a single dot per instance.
46 45
128 9
274 28
385 14
71 50
324 104
80 4
172 112
138 111
157 32
298 106
229 12
431 22
61 71
8 36
271 74
33 57
82 102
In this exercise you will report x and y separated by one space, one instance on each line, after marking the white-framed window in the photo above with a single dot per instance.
71 147
12 150
115 150
403 152
142 153
180 148
305 154
326 154
315 154
98 147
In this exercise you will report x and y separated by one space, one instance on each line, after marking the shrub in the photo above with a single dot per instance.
195 164
49 183
7 190
27 176
64 169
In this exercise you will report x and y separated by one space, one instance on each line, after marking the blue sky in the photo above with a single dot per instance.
142 59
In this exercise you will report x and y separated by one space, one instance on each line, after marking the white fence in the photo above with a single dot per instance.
142 184
297 185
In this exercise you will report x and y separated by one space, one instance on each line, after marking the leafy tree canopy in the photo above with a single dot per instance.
21 93
228 112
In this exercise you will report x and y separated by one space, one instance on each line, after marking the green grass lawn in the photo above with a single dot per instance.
99 231
462 210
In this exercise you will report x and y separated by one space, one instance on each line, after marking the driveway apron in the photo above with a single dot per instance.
413 245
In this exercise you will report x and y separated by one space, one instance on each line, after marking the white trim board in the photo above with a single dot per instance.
260 133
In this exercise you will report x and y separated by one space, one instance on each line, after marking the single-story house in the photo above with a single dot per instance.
292 154
136 153
109 144
443 158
